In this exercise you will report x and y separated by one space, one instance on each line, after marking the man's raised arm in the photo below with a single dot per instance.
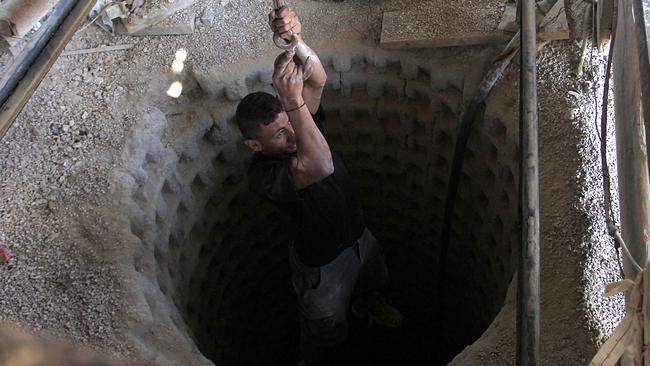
285 23
314 158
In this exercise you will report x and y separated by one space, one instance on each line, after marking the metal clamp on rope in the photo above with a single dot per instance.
304 54
283 44
279 41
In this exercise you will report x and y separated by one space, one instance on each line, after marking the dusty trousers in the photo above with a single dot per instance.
324 294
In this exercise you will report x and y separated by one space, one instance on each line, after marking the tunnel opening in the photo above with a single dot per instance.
221 253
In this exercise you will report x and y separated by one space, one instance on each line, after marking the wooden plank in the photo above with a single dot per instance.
393 22
135 25
613 349
635 305
98 49
626 333
633 182
175 30
605 27
159 30
555 23
509 19
397 32
642 26
617 287
646 318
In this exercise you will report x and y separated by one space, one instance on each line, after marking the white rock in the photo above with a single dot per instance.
207 17
175 89
181 55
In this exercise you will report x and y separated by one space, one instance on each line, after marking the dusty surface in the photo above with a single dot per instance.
577 257
67 277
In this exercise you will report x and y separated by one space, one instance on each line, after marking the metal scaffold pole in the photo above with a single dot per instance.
32 65
528 290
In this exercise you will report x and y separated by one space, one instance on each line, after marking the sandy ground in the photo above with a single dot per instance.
55 184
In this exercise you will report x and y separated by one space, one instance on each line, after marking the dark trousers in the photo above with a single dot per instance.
324 295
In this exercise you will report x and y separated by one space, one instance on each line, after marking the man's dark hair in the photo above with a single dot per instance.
254 110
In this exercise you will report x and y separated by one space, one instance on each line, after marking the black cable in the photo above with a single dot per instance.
607 200
464 130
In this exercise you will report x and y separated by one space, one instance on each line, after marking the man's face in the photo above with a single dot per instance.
277 138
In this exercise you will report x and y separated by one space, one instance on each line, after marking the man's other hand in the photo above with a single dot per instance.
285 22
287 78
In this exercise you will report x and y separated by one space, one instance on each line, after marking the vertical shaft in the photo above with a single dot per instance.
528 294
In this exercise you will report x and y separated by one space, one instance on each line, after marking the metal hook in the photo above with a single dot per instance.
279 41
282 43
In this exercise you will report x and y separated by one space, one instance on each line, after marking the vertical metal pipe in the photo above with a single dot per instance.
528 294
47 56
17 18
33 49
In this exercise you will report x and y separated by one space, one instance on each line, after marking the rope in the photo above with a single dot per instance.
613 231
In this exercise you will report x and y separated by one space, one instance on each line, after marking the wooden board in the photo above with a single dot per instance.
404 29
554 26
633 182
443 24
158 30
606 11
86 51
509 19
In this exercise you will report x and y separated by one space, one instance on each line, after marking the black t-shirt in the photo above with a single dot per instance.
327 214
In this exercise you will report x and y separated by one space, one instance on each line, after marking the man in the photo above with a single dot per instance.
294 168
